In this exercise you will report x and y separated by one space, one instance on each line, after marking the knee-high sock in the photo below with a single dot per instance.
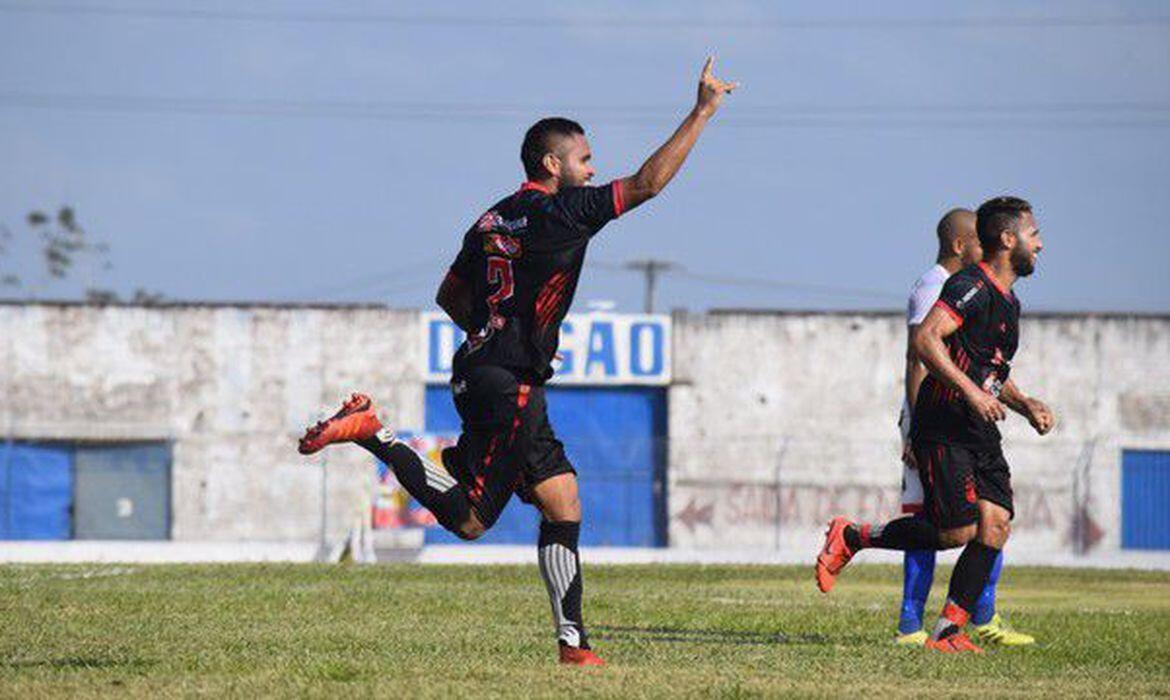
428 483
985 606
967 581
917 578
560 567
906 534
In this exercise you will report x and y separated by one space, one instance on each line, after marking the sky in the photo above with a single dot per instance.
336 152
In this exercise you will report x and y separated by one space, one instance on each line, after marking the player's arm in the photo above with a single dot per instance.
454 297
915 370
930 348
912 381
661 167
1036 411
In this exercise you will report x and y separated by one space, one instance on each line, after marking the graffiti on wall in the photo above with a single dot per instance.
731 504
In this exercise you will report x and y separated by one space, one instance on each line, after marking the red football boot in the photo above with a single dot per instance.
957 643
355 421
576 656
835 554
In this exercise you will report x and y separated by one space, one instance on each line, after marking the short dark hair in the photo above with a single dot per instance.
948 229
539 140
996 216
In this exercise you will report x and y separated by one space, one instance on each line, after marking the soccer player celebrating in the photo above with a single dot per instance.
958 247
510 287
967 342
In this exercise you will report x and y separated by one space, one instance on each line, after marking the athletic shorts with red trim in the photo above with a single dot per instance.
507 445
955 477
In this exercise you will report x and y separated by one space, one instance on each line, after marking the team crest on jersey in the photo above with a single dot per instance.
499 244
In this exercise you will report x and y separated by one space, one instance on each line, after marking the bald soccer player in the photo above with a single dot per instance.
958 247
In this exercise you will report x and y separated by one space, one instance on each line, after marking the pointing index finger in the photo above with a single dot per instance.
708 66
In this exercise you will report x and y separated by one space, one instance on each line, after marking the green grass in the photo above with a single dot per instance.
408 630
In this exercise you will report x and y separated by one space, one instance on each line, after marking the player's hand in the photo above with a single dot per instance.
711 89
986 406
1039 415
908 456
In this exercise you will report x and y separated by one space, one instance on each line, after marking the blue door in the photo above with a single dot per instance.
1145 491
36 491
615 437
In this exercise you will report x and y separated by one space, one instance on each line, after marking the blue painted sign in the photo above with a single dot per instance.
596 349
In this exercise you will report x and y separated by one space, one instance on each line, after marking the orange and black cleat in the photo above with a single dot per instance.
834 555
355 421
576 656
957 643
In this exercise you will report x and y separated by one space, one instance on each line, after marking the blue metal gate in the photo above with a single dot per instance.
615 437
1145 491
36 491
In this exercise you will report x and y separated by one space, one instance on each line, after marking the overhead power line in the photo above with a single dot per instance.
1125 114
627 22
664 266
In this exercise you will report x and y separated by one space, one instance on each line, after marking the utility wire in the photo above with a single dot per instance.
757 282
609 22
1128 114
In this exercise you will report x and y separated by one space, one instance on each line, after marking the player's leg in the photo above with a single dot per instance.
845 538
917 567
986 496
487 403
560 565
987 624
969 578
985 606
550 483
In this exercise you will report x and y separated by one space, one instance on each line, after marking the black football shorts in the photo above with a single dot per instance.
955 477
507 444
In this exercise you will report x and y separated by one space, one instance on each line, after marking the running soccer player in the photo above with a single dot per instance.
958 247
967 343
510 287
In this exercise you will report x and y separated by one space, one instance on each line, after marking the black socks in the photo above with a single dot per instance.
560 567
906 534
429 484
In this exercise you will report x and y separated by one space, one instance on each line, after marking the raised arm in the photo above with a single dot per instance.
929 345
664 163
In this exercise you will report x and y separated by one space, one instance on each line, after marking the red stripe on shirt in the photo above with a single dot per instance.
942 304
619 197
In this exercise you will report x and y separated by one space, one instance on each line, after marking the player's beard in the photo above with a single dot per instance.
1023 262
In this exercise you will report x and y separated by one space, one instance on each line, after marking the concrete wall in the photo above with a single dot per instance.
790 418
778 420
230 387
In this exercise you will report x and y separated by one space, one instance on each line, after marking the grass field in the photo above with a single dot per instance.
408 630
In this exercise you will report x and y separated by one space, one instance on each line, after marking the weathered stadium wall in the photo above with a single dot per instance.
231 387
777 420
780 420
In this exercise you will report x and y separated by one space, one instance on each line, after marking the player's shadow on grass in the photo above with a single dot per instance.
691 636
79 662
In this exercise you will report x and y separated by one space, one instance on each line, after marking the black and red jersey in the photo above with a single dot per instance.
521 260
983 347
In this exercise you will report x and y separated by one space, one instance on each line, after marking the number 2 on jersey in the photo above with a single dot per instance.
499 270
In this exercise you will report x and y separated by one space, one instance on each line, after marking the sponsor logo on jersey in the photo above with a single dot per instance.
505 246
968 296
492 221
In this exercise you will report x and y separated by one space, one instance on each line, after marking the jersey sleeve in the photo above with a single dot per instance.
592 207
922 298
961 297
464 265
